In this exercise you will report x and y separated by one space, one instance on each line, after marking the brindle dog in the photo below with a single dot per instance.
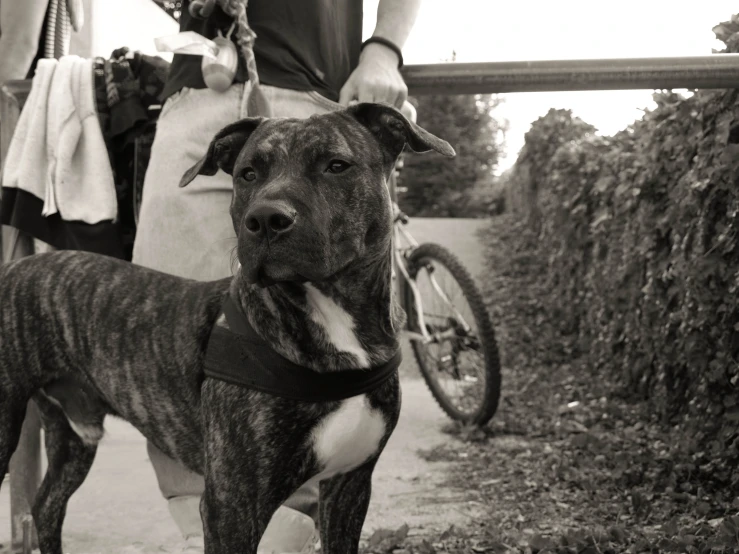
85 335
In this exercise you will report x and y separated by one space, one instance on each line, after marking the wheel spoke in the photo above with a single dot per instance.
460 364
461 377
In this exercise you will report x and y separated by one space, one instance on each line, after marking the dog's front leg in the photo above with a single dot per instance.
248 468
231 526
344 500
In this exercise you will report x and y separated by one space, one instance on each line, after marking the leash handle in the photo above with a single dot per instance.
257 103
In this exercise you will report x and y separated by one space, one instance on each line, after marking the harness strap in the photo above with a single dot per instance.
241 357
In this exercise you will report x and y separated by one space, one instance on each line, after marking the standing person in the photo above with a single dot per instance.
21 37
311 59
35 29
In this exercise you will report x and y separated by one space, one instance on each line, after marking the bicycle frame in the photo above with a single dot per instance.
403 244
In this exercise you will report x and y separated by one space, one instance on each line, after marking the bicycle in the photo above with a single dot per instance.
437 325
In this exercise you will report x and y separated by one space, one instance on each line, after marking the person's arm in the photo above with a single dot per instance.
377 78
20 30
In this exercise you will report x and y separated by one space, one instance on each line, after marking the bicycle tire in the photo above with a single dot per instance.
486 334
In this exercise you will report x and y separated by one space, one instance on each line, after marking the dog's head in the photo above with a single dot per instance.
310 195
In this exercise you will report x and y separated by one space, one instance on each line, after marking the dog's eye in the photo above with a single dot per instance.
248 174
337 166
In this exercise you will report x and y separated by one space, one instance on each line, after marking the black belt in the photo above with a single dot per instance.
241 357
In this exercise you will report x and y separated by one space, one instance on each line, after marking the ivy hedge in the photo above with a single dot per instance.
640 233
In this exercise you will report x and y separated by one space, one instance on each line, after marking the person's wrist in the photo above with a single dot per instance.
382 50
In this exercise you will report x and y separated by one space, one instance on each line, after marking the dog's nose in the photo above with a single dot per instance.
269 219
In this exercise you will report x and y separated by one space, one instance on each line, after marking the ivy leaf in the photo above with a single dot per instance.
537 543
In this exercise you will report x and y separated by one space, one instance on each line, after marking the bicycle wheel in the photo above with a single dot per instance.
461 366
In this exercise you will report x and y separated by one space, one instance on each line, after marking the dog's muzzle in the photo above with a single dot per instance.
268 242
270 219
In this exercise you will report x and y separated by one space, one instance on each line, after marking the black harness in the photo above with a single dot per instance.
241 357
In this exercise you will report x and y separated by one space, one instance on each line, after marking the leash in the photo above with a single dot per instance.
239 356
256 103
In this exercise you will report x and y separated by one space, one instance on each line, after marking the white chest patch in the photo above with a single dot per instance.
338 325
347 437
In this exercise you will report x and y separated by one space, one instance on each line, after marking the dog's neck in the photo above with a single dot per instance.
349 321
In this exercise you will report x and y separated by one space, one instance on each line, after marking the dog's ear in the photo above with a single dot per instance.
394 130
223 150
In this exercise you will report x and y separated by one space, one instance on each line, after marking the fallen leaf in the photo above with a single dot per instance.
387 540
539 542
490 482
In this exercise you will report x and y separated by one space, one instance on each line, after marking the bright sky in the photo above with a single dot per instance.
495 30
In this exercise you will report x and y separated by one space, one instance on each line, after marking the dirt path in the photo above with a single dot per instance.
119 504
119 508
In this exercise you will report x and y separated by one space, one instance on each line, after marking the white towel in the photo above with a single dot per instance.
63 161
83 188
60 113
26 163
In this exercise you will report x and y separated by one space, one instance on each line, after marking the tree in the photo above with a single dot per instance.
443 187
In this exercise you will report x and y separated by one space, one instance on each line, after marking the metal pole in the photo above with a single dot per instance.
13 96
25 464
691 72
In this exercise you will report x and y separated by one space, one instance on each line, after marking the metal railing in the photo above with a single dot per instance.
718 71
690 72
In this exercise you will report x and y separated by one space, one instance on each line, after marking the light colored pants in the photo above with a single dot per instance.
188 232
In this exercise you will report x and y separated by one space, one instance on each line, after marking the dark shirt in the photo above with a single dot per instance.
41 50
301 44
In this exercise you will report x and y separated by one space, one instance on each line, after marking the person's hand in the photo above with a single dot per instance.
376 78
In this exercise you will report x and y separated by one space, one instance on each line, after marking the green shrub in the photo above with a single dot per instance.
641 237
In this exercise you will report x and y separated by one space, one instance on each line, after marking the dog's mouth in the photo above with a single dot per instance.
266 265
259 278
263 279
266 274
